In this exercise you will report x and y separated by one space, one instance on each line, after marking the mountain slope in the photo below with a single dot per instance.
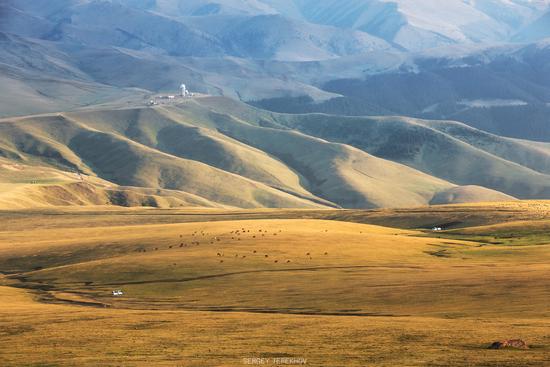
501 89
339 173
422 24
172 134
275 37
536 31
37 77
29 186
69 145
469 194
216 150
263 49
436 153
414 25
444 149
229 153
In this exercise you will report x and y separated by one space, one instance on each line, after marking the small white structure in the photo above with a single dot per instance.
437 229
117 293
184 91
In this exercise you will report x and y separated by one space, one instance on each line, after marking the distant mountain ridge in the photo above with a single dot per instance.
277 55
502 89
412 24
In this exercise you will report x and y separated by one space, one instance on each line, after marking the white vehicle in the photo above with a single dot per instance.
117 293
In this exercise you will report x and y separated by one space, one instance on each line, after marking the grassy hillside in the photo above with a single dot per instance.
237 158
29 186
230 154
468 194
69 145
444 149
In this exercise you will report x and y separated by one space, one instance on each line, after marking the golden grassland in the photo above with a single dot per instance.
212 287
49 335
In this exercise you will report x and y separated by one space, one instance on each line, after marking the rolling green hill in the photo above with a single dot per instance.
445 149
213 151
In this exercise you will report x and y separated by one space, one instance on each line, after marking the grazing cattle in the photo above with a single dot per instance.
266 255
276 261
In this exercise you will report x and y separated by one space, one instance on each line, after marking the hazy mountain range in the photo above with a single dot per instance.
259 50
399 102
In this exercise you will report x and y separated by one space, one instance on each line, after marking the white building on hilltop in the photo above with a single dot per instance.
184 91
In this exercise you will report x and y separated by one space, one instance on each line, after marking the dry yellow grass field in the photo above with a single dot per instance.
211 287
